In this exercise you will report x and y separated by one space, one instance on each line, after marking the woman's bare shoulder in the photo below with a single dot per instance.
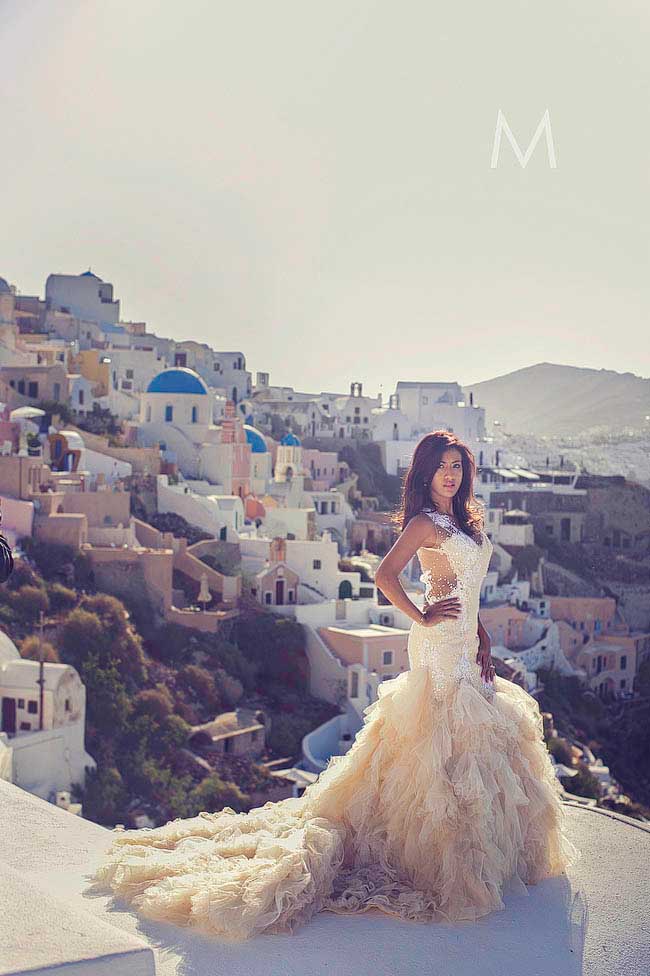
423 529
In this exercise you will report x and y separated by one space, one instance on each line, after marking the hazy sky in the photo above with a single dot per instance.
311 182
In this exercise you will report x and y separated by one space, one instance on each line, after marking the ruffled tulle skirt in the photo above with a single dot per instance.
436 806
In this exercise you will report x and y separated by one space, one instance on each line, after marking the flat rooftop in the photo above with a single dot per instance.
595 921
364 633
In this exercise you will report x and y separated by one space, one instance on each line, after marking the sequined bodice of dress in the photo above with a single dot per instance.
454 566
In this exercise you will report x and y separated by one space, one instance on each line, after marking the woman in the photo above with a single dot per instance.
446 794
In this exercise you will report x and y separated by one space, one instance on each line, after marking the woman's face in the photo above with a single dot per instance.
446 481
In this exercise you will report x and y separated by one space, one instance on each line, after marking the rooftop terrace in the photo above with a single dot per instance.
594 922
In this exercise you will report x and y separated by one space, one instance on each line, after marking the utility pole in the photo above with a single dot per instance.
41 677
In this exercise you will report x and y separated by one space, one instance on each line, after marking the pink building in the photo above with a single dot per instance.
377 648
506 625
592 615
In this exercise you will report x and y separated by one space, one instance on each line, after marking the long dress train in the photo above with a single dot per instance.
446 794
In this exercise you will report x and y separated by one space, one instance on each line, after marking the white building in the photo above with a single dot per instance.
83 296
353 413
176 415
390 423
315 561
48 759
430 406
223 371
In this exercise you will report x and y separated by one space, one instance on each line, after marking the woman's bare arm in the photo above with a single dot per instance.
417 533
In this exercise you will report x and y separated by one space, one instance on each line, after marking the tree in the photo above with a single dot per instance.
81 636
286 734
61 597
29 602
23 575
116 641
31 649
173 734
229 689
99 421
108 702
201 686
54 407
276 646
53 560
158 784
155 702
213 794
104 795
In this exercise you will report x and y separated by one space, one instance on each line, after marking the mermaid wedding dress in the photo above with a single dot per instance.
446 794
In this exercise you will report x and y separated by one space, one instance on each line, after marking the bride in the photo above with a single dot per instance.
446 794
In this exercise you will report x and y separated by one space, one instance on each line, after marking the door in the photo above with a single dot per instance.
279 593
8 714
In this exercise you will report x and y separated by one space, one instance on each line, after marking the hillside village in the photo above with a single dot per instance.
193 620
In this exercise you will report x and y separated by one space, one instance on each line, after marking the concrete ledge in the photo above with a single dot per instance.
42 935
593 921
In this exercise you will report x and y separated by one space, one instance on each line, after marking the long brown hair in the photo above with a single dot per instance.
416 494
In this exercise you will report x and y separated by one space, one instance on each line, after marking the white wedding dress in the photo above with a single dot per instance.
446 794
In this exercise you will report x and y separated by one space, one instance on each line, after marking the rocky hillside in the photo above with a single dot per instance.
549 398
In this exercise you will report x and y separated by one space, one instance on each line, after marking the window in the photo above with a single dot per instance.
290 596
354 685
32 390
148 413
169 414
21 386
68 707
316 564
348 420
357 409
623 662
81 398
195 414
129 374
425 400
21 703
25 726
32 707
267 596
622 683
388 657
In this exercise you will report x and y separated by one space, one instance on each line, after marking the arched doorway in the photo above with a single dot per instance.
345 590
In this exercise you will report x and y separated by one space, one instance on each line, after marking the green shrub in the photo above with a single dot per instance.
213 794
104 797
61 597
53 560
29 602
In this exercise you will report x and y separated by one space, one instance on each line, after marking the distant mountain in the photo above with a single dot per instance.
552 399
